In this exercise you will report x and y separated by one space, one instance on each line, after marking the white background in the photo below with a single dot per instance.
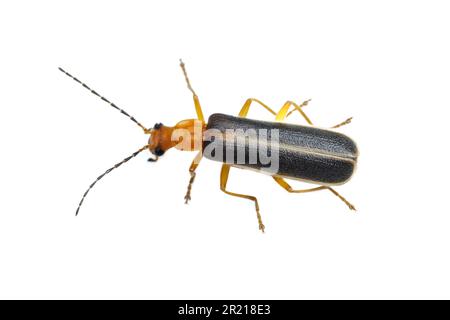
385 63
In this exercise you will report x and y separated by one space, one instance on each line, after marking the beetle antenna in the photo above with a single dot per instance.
108 171
104 99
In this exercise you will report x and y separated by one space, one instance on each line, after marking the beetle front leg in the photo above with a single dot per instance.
198 108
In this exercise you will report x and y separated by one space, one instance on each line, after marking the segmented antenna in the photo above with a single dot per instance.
104 99
108 171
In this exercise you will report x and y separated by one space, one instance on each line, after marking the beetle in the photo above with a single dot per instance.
307 153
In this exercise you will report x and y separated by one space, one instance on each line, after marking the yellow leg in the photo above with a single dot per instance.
283 113
304 104
192 169
288 188
223 184
352 207
343 123
246 107
198 108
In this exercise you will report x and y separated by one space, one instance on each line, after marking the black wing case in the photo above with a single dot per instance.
305 153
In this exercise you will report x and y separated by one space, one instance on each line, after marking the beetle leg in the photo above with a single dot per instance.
283 113
246 107
288 188
352 207
343 123
303 104
223 184
198 108
192 169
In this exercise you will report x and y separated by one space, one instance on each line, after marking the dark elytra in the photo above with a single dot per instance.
306 153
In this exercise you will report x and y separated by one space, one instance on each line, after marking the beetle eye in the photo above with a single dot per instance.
157 125
158 152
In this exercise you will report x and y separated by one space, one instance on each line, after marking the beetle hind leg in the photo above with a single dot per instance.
284 113
343 123
223 185
288 188
351 207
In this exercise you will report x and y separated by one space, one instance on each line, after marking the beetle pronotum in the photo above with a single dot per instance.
306 153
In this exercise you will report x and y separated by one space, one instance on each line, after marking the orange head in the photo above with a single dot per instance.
186 135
